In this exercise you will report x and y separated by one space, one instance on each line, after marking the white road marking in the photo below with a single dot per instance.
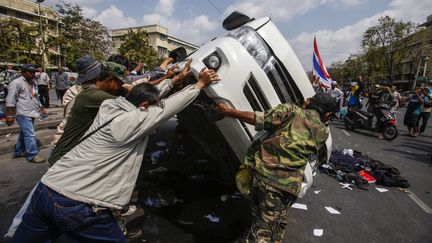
346 133
419 202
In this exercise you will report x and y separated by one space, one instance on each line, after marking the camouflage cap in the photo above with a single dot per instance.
116 70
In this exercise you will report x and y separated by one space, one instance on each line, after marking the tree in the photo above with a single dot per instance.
17 40
137 49
80 35
385 37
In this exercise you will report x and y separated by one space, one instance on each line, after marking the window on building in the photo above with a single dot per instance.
162 36
3 11
24 16
162 50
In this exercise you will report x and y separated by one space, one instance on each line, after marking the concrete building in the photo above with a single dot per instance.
28 12
417 54
158 39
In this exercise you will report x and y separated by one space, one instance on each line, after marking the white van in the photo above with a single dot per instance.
258 70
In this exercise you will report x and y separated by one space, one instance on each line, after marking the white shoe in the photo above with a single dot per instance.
131 210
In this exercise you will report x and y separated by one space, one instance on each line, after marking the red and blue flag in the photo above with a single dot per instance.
319 70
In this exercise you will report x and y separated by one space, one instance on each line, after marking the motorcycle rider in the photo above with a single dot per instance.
384 100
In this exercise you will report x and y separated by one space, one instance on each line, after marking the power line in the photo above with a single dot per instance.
214 6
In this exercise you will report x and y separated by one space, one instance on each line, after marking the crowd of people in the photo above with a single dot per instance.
382 98
97 150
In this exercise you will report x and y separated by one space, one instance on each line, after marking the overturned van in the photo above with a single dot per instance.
258 70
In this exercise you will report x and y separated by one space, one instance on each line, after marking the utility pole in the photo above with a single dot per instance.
413 87
42 34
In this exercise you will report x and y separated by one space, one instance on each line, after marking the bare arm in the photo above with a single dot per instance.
245 116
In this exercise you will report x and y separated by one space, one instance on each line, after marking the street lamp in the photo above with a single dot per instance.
42 34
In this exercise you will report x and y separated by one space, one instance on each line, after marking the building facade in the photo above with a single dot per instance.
28 13
158 39
416 54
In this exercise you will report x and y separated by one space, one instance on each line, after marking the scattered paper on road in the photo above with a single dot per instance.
381 189
318 232
317 191
332 210
161 144
299 206
346 186
157 170
225 197
212 217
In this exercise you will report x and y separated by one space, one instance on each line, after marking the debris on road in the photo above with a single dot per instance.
318 232
381 189
157 170
299 206
161 144
317 191
346 186
154 202
225 197
177 200
212 217
349 166
156 155
332 210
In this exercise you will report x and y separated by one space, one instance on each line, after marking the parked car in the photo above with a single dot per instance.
258 70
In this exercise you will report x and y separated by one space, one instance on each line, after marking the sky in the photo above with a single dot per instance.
337 24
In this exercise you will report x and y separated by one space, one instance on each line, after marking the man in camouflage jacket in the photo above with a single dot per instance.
276 165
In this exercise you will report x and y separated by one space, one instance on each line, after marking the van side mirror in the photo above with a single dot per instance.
235 20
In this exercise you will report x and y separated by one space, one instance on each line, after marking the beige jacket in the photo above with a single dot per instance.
102 170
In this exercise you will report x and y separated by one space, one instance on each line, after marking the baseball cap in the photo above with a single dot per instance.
88 69
29 67
323 103
116 70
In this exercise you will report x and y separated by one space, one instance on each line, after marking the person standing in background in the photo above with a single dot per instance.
44 85
61 81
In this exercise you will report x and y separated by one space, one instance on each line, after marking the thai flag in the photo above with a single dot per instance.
319 70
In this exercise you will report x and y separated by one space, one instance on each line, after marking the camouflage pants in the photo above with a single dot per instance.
269 211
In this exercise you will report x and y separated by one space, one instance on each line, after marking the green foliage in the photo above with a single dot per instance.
382 43
17 39
383 48
137 49
80 35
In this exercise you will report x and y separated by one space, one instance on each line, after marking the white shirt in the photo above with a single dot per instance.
336 93
42 78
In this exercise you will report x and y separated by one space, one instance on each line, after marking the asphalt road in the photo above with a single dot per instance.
189 191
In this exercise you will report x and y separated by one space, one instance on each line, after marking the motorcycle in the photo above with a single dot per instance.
357 118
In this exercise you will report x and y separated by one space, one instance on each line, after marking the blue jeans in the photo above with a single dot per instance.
27 138
51 214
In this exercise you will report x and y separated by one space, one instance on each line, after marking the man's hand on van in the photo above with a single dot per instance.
183 73
206 77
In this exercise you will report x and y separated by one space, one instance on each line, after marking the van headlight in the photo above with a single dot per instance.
253 43
213 61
